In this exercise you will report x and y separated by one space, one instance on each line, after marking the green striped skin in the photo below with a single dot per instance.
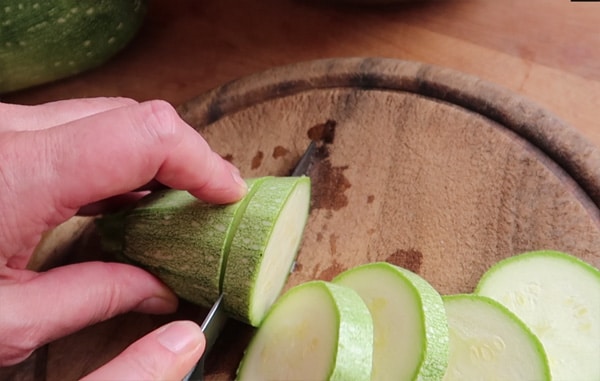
183 240
316 331
411 329
265 246
43 41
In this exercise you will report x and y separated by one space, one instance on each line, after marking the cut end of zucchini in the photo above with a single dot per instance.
488 342
265 246
558 296
410 328
281 250
316 331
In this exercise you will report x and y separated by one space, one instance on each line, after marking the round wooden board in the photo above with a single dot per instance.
420 166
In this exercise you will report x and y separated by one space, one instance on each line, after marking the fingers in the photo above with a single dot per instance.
167 353
43 307
60 169
28 118
131 146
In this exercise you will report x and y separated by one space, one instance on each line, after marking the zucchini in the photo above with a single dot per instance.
558 296
488 342
180 239
43 41
315 331
410 326
264 247
201 250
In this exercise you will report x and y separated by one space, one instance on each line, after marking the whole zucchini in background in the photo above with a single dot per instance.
43 41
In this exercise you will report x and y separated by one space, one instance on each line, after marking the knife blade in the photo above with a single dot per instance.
215 320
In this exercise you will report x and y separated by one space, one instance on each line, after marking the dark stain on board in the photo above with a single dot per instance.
228 157
329 182
319 237
331 272
370 199
329 185
280 151
257 159
323 132
410 259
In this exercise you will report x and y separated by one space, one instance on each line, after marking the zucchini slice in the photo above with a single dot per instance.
410 327
488 342
558 296
315 331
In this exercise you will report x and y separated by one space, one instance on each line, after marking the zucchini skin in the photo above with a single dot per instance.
44 41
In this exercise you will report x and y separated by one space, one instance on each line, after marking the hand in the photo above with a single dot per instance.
59 157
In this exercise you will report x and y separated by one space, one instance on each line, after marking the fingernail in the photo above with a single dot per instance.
180 336
238 179
158 305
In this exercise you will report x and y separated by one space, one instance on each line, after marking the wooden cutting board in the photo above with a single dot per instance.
420 166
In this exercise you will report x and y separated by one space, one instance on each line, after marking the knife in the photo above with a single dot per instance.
215 320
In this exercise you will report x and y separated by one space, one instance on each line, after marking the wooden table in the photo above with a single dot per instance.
548 51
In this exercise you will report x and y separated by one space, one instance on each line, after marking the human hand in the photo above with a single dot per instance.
59 157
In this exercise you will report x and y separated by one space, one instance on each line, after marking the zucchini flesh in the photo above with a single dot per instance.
410 327
558 296
488 342
315 331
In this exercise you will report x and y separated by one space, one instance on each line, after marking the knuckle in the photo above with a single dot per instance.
123 101
160 121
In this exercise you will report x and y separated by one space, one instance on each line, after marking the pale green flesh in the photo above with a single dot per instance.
488 342
407 345
265 246
316 331
558 297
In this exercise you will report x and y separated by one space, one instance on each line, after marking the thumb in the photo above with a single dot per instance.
167 353
36 308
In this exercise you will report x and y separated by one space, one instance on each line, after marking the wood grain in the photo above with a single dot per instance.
547 51
420 166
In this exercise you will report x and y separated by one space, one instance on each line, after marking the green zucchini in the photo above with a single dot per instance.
488 342
180 239
244 250
264 247
410 327
315 331
558 296
43 41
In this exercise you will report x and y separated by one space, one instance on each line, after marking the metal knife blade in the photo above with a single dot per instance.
305 160
215 320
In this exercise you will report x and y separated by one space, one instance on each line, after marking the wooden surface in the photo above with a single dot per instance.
483 195
546 50
423 167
